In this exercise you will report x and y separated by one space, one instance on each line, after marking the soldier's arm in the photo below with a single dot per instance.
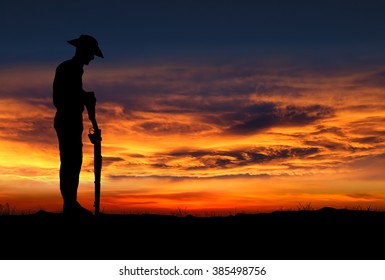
90 102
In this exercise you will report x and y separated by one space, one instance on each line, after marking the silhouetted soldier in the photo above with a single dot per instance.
69 98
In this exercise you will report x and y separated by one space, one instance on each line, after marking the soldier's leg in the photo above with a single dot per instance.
71 157
70 168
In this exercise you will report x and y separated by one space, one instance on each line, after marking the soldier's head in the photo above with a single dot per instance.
86 48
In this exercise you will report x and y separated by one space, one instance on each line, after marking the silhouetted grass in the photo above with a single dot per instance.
6 209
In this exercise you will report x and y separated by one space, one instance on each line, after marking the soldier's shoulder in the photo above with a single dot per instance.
65 64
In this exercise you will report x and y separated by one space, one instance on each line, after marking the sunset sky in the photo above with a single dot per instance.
206 107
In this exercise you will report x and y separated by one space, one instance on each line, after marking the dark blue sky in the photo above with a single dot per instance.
147 29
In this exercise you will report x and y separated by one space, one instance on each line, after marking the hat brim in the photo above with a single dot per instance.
98 52
95 49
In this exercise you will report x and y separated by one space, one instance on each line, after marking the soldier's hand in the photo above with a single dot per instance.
95 135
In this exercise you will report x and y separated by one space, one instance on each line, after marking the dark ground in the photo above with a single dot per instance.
325 234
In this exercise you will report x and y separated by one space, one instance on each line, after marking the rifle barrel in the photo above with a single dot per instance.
96 141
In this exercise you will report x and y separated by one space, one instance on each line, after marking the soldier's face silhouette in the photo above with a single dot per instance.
88 58
85 54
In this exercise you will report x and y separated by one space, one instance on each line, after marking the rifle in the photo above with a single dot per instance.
96 139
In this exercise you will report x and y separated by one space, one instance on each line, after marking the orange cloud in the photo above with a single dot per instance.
204 137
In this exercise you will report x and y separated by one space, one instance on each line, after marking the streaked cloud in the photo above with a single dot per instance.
184 134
